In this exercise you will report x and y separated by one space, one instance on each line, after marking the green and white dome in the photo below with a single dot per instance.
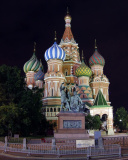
32 65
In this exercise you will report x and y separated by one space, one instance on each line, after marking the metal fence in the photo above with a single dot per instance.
42 149
114 149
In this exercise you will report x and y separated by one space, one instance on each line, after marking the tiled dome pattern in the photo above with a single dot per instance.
83 70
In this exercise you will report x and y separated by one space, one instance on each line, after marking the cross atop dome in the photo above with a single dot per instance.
95 45
34 50
55 38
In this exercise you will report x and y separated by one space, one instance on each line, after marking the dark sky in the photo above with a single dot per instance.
26 21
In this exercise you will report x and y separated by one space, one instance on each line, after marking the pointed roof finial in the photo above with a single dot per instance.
55 37
34 47
95 45
82 55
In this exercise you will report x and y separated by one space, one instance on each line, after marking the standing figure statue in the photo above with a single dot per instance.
76 102
64 100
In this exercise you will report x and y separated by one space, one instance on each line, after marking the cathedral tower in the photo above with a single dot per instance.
83 72
53 79
98 79
72 60
31 67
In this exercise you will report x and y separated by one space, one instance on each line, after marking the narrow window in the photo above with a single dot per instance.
52 91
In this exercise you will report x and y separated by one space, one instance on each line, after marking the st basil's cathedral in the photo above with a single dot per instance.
64 65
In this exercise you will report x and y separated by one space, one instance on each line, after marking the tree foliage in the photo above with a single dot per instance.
121 118
20 107
92 122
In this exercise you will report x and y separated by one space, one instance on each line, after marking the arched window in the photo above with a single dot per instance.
51 110
104 117
54 109
66 72
52 92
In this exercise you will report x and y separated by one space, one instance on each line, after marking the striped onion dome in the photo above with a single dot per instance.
32 65
83 70
54 52
96 58
39 75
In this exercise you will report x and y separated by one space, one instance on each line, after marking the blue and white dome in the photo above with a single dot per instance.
54 52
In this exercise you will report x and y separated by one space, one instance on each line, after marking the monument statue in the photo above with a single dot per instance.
72 103
64 100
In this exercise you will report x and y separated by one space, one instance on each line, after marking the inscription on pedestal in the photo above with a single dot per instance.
71 124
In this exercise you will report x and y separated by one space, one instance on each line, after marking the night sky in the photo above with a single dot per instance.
26 21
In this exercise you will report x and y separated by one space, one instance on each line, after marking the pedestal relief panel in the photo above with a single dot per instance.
72 124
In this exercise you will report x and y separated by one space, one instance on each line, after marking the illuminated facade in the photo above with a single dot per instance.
64 65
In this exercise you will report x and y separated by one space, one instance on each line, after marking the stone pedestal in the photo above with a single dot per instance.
71 125
110 131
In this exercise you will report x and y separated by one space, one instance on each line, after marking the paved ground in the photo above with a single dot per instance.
23 156
8 157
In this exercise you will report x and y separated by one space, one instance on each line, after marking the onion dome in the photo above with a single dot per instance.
54 52
83 70
33 64
96 58
39 75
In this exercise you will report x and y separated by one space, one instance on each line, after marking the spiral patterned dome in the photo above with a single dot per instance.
39 75
54 52
83 70
96 58
32 65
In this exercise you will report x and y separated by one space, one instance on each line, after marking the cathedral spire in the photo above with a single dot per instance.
67 36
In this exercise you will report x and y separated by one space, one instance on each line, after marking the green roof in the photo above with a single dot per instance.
100 106
100 100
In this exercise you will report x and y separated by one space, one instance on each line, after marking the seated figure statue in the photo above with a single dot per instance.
75 102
